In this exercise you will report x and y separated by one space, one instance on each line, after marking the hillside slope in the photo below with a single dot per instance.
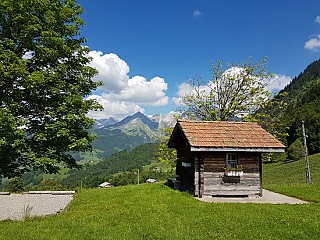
303 104
93 175
292 172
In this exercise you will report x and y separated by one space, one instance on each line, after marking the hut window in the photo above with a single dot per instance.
186 164
232 160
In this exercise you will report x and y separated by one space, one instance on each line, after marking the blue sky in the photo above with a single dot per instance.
145 50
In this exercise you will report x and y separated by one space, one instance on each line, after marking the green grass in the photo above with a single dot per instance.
160 165
290 178
157 212
292 172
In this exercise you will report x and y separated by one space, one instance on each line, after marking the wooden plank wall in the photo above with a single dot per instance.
215 183
185 174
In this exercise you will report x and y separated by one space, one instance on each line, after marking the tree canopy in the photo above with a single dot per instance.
44 78
238 89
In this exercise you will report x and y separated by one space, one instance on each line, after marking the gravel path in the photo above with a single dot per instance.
18 206
267 197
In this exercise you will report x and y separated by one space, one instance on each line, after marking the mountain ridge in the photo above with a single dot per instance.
153 125
128 133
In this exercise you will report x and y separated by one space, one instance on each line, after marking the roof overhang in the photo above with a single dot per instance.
261 150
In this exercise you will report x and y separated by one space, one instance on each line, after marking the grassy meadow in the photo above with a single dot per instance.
290 178
149 211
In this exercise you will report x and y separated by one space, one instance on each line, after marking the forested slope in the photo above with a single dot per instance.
304 105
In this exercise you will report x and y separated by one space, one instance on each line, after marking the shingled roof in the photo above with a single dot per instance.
226 136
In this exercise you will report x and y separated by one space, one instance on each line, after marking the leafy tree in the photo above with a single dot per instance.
50 184
296 150
165 154
271 116
240 89
44 77
15 185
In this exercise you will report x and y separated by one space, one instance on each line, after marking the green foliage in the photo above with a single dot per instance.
50 184
31 179
15 185
166 155
126 178
270 116
296 150
44 77
93 175
238 90
303 104
274 157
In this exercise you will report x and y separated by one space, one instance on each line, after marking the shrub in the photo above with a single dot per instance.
15 185
296 150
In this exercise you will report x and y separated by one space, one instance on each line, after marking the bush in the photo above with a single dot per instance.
296 150
50 184
15 185
273 157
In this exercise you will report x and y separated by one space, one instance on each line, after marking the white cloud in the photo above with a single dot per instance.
196 13
141 91
122 92
183 90
313 44
116 109
113 71
278 82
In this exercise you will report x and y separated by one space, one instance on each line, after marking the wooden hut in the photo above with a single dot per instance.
221 158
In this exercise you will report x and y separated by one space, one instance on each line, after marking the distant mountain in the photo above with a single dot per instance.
114 136
102 123
153 125
166 121
110 141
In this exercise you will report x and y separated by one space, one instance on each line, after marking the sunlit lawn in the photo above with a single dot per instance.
158 212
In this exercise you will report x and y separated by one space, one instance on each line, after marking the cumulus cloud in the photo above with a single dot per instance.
196 13
121 93
183 90
113 71
278 82
313 44
141 91
116 109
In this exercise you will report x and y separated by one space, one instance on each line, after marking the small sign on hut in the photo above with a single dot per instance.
221 158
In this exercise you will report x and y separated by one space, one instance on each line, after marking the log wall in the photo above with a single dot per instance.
216 183
186 175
